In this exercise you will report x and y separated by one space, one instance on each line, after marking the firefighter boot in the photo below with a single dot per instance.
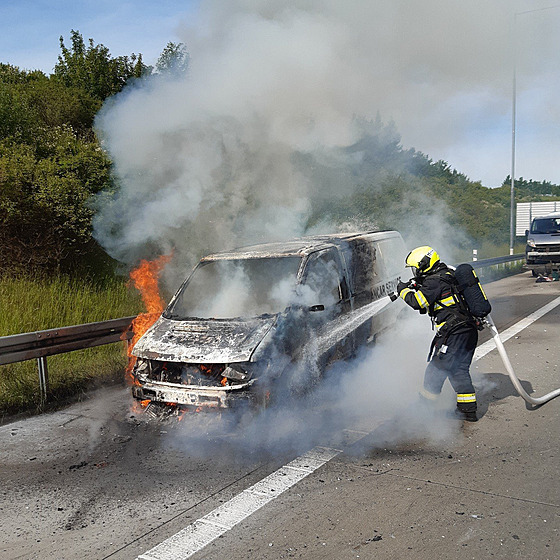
467 416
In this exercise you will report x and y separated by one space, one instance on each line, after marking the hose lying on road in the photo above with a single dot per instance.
516 383
489 323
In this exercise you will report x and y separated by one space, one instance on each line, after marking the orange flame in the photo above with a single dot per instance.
145 279
139 406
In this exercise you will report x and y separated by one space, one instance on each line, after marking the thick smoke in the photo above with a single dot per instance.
254 136
225 289
273 120
377 392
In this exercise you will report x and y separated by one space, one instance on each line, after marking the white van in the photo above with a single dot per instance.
248 319
543 244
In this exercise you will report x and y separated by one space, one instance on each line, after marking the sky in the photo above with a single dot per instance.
31 28
441 69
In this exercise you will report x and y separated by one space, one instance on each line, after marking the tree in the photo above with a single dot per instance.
45 216
50 166
16 117
32 101
93 70
55 105
174 59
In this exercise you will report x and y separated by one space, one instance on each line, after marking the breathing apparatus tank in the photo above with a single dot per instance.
471 290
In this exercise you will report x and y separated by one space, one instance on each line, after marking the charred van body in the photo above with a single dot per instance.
246 320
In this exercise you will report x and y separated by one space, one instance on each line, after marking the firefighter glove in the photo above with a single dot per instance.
401 286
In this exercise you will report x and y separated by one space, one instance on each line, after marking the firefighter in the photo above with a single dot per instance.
432 291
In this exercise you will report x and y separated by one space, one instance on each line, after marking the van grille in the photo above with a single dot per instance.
547 249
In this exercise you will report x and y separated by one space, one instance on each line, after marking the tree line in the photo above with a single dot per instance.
51 165
401 189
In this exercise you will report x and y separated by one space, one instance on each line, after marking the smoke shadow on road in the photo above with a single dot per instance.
492 387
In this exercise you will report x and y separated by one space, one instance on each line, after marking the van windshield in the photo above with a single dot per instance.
546 225
230 288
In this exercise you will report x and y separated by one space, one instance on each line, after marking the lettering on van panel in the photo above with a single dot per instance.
382 290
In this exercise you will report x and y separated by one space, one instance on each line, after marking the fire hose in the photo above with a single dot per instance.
489 323
537 401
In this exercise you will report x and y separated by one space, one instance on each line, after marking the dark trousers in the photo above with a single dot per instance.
453 363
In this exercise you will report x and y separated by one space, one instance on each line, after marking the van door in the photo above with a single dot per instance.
324 285
360 256
390 268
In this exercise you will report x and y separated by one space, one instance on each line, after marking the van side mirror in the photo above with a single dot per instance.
317 308
526 233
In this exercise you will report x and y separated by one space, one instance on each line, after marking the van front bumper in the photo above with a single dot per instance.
543 256
192 395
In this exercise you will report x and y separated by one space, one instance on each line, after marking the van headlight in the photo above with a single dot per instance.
141 367
236 371
531 243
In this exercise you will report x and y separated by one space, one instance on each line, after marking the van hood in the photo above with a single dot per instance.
545 238
219 341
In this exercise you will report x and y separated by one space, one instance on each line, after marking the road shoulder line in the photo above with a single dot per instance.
490 345
202 532
205 530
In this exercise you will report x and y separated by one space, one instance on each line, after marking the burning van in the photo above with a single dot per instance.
248 320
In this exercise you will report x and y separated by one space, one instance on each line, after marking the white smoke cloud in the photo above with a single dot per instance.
377 392
442 70
205 161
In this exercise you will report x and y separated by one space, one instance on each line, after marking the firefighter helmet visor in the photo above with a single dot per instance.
422 259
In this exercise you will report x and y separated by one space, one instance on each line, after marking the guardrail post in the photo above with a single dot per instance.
43 378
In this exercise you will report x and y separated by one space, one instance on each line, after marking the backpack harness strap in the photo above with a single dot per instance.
454 303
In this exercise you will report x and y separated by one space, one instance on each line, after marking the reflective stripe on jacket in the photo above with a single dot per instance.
435 295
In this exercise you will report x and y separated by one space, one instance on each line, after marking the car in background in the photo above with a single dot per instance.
542 251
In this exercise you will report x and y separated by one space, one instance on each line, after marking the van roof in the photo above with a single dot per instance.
299 247
551 215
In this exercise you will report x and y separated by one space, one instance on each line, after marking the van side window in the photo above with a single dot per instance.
363 269
391 252
322 278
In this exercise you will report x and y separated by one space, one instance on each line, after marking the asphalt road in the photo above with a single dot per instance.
96 480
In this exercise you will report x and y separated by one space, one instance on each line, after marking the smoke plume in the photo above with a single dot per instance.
377 392
277 117
257 133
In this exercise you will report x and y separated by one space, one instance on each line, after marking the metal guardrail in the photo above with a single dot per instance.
40 344
497 260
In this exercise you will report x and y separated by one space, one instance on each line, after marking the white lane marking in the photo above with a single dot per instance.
202 532
488 346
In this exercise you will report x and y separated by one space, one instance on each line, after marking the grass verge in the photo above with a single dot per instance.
29 305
